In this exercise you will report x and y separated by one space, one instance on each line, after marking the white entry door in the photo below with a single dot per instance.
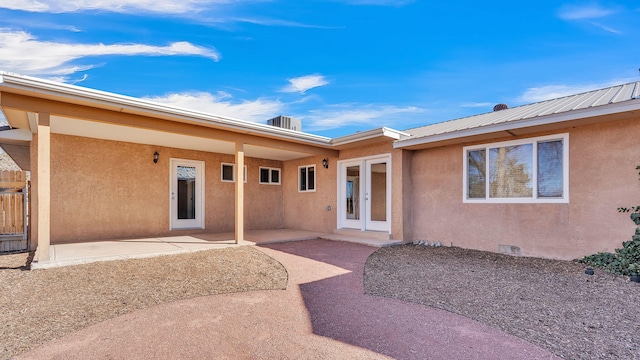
364 189
187 194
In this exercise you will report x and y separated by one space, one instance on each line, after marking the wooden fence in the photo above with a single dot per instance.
13 211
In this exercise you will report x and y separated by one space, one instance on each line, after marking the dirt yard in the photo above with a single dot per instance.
42 305
552 304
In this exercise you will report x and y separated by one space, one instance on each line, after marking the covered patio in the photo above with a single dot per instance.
108 250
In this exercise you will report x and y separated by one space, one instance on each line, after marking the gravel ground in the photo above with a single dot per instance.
552 304
42 305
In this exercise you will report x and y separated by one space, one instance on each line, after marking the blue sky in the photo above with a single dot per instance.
340 66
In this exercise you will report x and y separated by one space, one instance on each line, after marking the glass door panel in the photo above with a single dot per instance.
353 193
378 193
186 192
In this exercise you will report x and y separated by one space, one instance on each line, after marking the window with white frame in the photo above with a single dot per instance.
269 175
307 178
528 170
228 172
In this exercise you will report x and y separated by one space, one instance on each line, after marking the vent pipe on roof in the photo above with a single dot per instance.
499 107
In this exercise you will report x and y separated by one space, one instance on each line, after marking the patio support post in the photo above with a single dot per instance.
239 235
44 187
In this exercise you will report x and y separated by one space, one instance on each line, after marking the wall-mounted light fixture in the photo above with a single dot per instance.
325 163
156 156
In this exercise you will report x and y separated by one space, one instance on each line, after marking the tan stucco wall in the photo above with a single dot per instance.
602 159
105 189
308 210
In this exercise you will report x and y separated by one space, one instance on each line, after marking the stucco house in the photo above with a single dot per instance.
543 179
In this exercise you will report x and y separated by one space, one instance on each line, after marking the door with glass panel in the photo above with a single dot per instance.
364 194
187 194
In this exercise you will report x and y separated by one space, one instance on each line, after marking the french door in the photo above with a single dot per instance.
187 194
364 189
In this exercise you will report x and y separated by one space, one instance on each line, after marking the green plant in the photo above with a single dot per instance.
625 260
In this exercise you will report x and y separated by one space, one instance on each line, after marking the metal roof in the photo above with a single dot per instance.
549 110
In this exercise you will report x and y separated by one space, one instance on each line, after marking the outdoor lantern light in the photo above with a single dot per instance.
155 157
325 163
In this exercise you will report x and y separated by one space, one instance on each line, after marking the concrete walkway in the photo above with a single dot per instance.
323 314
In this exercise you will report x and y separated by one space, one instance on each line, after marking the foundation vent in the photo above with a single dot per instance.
509 249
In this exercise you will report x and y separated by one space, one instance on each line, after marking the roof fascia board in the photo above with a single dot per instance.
72 92
603 110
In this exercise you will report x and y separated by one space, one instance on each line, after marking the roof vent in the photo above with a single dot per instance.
499 107
286 122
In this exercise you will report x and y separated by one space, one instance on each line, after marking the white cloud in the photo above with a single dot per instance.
605 28
272 22
337 116
303 83
258 110
33 6
121 6
22 53
571 12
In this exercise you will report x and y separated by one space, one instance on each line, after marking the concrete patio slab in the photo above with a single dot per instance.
88 252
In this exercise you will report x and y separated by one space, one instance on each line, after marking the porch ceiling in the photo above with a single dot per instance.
98 130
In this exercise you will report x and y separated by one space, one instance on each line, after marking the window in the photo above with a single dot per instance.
307 178
525 171
228 172
269 175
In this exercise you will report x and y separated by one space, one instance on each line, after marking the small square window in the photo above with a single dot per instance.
227 172
307 178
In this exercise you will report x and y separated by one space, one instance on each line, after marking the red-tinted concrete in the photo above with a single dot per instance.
323 314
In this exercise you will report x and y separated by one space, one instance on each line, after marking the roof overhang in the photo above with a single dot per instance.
90 113
605 113
369 137
50 90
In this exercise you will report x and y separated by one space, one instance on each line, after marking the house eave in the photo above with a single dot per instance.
29 86
603 113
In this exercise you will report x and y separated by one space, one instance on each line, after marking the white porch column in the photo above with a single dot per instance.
44 187
239 192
